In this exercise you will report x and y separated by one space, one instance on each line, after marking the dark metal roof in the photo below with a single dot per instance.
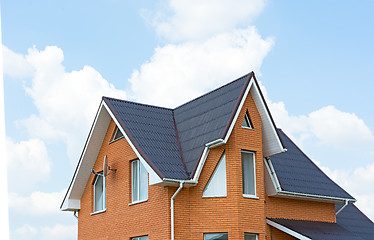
318 230
151 129
297 173
352 219
204 119
172 140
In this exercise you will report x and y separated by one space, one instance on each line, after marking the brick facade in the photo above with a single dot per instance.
194 215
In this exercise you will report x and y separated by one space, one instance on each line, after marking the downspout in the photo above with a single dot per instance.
172 208
341 209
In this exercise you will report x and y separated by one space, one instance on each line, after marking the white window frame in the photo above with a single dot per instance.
104 194
205 234
138 179
247 195
115 134
221 163
248 120
253 234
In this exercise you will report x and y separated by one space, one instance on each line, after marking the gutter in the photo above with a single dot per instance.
316 197
172 209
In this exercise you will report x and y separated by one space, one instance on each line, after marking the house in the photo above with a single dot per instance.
214 168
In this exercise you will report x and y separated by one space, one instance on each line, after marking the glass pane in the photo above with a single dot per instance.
216 236
118 134
143 183
248 173
99 196
135 180
250 236
217 184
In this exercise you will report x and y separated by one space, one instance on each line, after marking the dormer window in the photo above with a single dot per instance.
247 123
117 135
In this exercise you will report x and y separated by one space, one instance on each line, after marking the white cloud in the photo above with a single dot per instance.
329 126
359 183
28 159
59 231
38 203
196 20
16 65
177 73
25 232
66 101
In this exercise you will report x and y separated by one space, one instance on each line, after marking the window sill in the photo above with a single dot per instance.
247 128
136 202
250 196
101 211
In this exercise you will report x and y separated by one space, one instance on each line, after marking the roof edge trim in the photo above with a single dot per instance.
314 197
287 230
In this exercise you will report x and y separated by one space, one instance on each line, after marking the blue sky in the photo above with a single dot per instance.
314 60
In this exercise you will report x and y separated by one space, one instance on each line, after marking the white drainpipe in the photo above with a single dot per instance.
172 208
346 203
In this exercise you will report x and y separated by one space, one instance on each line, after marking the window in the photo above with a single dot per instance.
139 181
216 186
99 193
247 123
117 135
250 236
248 173
140 238
216 236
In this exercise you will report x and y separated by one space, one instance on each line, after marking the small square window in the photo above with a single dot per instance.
216 236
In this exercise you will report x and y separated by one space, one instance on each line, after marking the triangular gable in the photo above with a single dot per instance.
88 157
272 143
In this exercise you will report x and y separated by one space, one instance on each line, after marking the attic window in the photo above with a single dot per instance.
247 123
117 135
216 186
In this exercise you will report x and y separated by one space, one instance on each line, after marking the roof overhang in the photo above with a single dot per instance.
287 230
274 189
272 143
89 155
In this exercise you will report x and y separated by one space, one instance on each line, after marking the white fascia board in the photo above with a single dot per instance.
201 164
287 230
228 134
153 176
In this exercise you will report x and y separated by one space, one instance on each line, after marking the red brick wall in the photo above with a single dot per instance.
121 221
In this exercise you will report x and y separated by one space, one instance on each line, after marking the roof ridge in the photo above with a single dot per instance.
136 103
214 90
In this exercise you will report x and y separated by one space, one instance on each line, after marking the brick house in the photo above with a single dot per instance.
214 168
